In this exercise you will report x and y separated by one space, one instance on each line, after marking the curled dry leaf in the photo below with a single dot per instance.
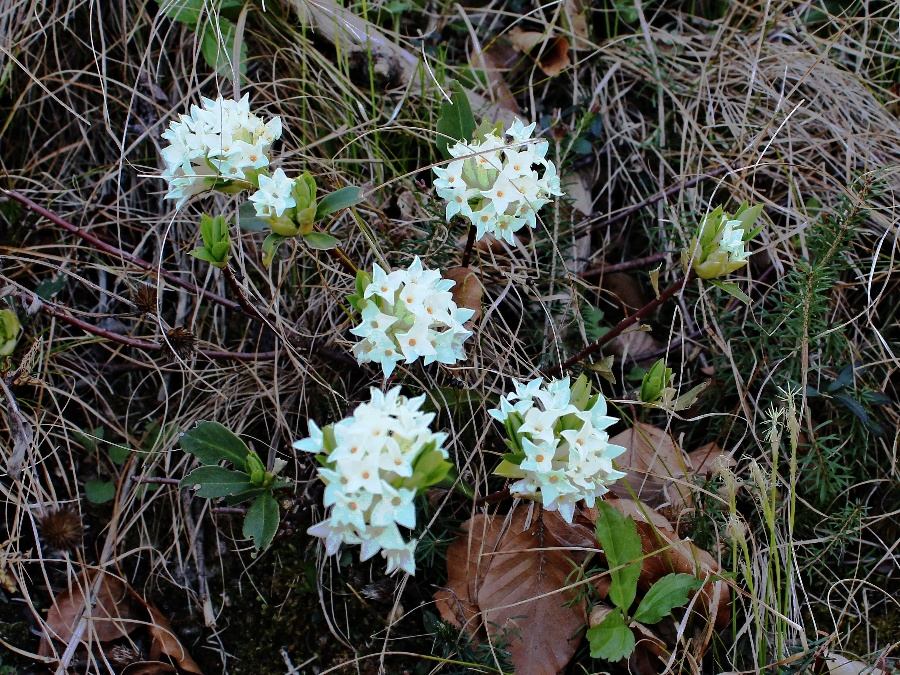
655 465
550 52
508 580
111 614
467 291
116 611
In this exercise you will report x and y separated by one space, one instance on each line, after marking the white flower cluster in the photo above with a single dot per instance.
371 454
410 314
219 141
566 452
494 183
732 241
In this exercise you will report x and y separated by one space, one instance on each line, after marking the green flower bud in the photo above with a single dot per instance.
719 246
9 331
284 226
304 193
256 469
216 249
655 381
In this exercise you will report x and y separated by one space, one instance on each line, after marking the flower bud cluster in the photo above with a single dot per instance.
559 448
408 314
495 183
373 465
720 246
218 143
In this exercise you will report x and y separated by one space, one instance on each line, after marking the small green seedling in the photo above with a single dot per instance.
248 480
216 248
612 639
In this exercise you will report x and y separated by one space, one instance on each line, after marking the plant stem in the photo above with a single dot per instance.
235 287
600 270
116 251
467 251
625 323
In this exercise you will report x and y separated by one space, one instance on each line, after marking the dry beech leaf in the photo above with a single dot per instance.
704 460
516 576
675 555
576 20
164 642
577 187
112 614
496 63
467 291
654 464
551 52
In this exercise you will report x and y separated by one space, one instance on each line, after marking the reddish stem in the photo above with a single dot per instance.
617 330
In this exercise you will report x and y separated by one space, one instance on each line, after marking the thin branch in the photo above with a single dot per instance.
116 251
628 321
600 270
470 243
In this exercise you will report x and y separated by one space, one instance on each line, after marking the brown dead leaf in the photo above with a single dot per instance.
516 575
148 668
467 291
111 615
495 62
164 642
576 20
704 460
654 464
550 52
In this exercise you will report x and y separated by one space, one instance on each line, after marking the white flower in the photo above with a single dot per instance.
274 195
410 314
494 184
217 143
732 241
565 455
368 459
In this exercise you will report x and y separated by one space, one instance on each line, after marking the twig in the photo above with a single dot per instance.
116 251
600 270
248 308
158 480
63 315
470 243
493 497
625 323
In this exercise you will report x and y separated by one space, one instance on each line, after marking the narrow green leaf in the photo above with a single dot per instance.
622 546
211 442
665 595
320 241
270 245
216 481
456 122
611 639
99 491
261 521
337 200
203 254
185 11
733 290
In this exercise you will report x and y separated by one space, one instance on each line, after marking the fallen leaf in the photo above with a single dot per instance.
511 578
164 642
656 467
148 668
574 14
705 459
577 187
495 64
111 614
467 291
550 52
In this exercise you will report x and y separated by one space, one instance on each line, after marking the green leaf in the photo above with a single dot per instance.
622 546
429 468
261 521
270 245
665 595
185 11
611 639
249 221
733 290
456 122
47 289
217 47
118 453
216 481
320 241
507 469
99 491
204 254
337 200
211 442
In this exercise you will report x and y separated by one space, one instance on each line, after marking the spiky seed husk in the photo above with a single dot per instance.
182 341
61 529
